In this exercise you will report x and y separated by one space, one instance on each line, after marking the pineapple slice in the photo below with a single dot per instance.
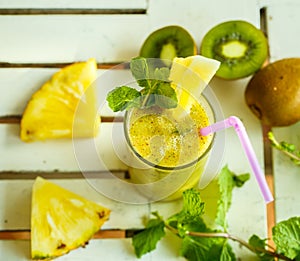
193 73
65 106
61 220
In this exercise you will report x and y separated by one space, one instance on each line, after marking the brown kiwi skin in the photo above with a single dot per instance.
273 93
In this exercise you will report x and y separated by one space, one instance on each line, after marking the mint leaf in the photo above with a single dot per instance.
166 96
195 247
239 180
259 244
190 219
146 240
286 236
156 88
122 97
140 71
162 74
206 249
192 210
193 206
227 180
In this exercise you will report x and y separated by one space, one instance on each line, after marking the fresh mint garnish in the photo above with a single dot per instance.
156 89
201 242
122 97
285 147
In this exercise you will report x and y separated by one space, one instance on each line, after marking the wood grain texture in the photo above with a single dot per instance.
25 234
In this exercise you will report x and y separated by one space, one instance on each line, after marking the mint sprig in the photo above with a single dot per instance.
201 242
188 224
156 89
287 148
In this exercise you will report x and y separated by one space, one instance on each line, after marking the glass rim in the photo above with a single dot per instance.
167 168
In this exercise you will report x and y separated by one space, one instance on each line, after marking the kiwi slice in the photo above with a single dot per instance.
167 43
238 45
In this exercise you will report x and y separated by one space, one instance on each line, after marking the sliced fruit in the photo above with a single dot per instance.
273 93
64 106
238 45
167 43
193 73
61 220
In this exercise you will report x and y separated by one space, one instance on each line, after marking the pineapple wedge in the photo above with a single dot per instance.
65 106
193 73
61 220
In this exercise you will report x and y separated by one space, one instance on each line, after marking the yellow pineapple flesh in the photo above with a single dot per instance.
61 220
65 106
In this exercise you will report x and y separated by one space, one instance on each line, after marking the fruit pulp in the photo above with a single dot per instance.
168 154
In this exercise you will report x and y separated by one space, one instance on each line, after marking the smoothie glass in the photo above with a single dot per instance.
166 153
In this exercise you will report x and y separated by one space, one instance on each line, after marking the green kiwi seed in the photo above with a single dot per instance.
241 48
167 43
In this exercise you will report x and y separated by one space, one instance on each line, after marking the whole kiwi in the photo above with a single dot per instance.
273 93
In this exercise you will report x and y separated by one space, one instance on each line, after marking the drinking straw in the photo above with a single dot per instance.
239 127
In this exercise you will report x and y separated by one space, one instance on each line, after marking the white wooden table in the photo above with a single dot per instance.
38 37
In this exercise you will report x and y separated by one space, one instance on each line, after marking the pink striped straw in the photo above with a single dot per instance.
239 127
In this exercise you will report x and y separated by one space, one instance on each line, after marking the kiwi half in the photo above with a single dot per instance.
238 45
169 42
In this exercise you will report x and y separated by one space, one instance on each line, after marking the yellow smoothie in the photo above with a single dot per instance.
170 154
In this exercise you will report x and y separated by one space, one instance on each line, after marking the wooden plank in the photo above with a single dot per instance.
60 155
123 216
15 175
81 37
70 11
25 234
279 14
65 38
109 249
16 119
103 4
28 80
285 173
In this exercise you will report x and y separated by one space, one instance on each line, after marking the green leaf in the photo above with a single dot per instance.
156 88
239 180
227 253
162 74
260 244
192 203
140 71
192 210
122 97
227 180
286 148
196 248
206 249
286 236
165 95
199 248
146 240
